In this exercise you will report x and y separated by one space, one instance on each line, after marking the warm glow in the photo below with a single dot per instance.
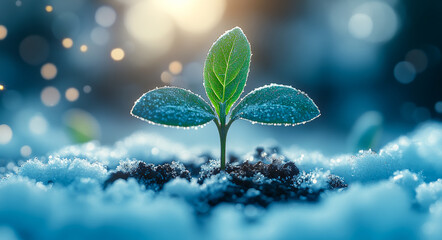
3 32
175 67
2 87
49 8
67 43
50 96
72 94
194 16
166 77
83 48
48 71
117 54
151 27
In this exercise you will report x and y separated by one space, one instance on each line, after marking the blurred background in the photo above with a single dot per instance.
70 71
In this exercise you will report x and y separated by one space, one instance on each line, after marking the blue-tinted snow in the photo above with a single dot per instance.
395 193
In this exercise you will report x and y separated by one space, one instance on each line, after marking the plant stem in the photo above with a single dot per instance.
223 128
222 134
222 138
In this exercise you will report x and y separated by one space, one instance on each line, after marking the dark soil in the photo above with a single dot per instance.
256 183
152 176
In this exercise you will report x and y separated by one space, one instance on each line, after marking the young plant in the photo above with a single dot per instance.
225 74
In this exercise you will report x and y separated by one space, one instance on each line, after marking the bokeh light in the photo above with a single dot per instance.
404 72
5 134
48 71
117 54
195 16
72 94
38 124
87 89
50 96
83 48
166 77
49 8
384 21
3 32
82 126
105 16
370 53
151 27
360 25
25 151
175 67
67 42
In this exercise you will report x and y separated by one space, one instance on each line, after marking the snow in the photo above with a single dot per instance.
420 152
395 193
429 193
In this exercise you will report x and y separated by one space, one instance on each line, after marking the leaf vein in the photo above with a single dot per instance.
227 67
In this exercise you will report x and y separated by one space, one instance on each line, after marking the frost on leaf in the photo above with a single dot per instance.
276 104
226 68
173 107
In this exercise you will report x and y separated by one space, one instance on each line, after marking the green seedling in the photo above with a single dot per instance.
225 74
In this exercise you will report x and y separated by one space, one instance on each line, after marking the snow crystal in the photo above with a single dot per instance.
62 170
149 148
419 152
395 193
407 180
428 193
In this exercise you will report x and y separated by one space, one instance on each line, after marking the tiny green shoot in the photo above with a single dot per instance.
225 74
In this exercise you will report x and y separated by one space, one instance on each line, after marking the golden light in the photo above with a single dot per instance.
117 54
151 27
48 71
166 77
3 32
195 16
72 94
49 8
175 67
2 87
67 42
83 48
50 96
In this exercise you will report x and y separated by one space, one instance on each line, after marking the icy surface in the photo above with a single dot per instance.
275 105
172 106
395 193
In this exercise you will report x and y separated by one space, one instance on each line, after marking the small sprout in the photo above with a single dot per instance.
225 75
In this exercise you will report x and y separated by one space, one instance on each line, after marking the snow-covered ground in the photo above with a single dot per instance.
395 193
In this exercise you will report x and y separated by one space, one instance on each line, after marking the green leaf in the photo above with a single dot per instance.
173 107
226 68
275 105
